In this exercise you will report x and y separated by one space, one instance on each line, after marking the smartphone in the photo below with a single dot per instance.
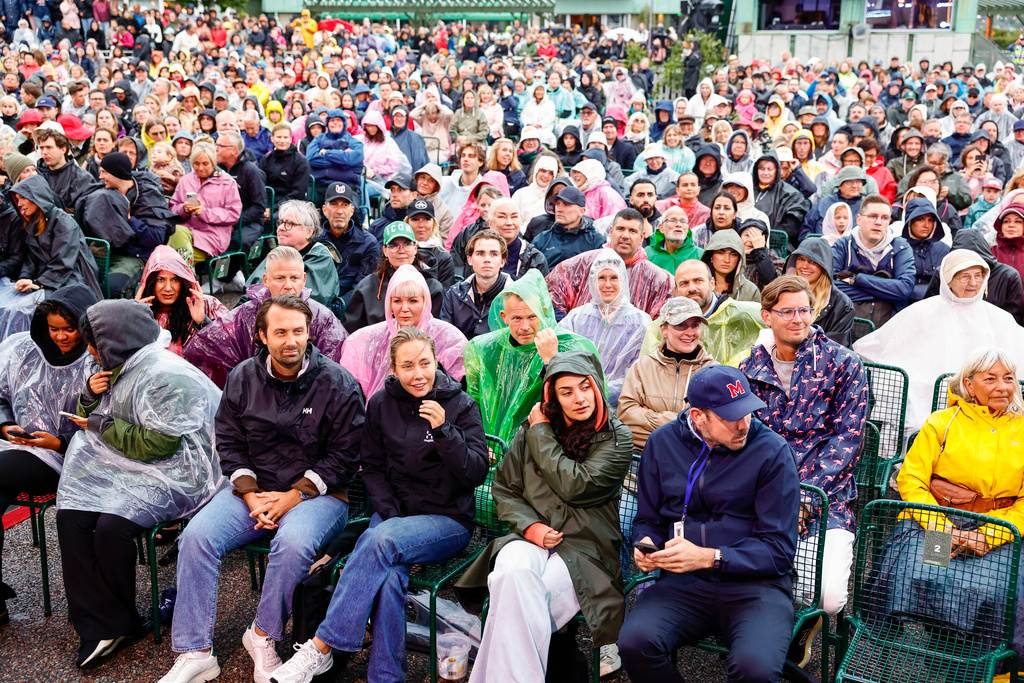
981 158
69 415
192 198
646 548
20 434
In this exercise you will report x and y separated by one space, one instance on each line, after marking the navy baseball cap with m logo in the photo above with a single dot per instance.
724 391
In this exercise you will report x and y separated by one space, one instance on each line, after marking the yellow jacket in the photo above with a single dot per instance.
984 453
307 25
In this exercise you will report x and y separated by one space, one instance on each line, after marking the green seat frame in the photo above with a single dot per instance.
917 645
862 327
778 241
887 410
37 506
101 252
219 266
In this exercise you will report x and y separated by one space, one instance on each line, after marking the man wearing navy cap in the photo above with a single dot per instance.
357 252
47 108
718 496
573 232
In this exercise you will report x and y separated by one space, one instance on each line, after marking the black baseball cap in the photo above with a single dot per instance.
420 207
403 180
340 191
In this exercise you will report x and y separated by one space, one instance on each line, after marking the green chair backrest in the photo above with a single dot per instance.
778 241
866 474
101 252
887 406
862 327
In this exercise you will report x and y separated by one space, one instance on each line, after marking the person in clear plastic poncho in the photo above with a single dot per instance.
935 335
504 368
609 320
145 456
41 373
367 353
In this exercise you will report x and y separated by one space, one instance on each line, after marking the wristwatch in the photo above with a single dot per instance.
718 559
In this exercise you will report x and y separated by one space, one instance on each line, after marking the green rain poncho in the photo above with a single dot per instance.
731 330
505 379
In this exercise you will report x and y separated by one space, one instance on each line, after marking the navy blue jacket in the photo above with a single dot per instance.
341 162
892 281
558 244
459 306
359 254
929 252
745 502
260 144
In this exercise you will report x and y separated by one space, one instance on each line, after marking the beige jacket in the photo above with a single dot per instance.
654 391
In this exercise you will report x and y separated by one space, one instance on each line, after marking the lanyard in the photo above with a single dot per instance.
692 478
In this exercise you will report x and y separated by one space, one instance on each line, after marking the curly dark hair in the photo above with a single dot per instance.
179 319
574 438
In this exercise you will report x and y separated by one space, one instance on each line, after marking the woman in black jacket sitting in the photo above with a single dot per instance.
424 452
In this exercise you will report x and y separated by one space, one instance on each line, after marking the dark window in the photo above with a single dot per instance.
909 14
793 15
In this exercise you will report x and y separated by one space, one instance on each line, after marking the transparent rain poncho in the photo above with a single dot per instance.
165 393
367 353
617 328
504 379
935 336
33 392
731 330
16 309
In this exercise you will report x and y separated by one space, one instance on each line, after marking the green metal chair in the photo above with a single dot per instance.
887 408
806 602
866 475
940 396
778 241
37 506
902 623
219 266
862 327
101 252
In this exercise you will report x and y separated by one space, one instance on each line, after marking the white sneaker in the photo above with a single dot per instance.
237 283
264 656
301 668
610 661
188 668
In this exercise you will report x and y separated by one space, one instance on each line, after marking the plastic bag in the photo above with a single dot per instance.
451 617
160 391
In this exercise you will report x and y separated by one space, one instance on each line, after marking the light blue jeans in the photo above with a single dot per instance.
223 525
375 582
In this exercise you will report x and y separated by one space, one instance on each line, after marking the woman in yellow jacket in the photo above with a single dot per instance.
977 443
305 24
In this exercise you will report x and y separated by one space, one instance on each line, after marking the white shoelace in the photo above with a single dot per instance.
306 656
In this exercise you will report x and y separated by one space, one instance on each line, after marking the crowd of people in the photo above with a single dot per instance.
651 301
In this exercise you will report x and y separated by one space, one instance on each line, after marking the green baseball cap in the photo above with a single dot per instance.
397 229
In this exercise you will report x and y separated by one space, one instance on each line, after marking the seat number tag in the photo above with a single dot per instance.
938 545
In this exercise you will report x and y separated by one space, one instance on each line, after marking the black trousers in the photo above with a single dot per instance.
754 618
22 472
98 554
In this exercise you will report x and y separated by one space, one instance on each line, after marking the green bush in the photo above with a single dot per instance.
711 49
635 52
1004 38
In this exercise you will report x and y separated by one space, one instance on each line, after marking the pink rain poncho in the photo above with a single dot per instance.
166 258
367 353
470 211
617 328
220 346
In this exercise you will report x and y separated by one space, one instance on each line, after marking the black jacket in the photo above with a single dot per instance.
529 257
358 255
12 238
461 308
836 319
366 305
279 430
785 205
287 172
70 182
1005 289
412 469
387 216
624 153
251 189
709 185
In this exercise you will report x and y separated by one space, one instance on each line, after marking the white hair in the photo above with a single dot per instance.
980 361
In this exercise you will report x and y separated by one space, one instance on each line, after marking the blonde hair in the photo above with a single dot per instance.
204 149
982 360
492 156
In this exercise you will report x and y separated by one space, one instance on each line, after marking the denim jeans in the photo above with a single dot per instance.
378 573
223 525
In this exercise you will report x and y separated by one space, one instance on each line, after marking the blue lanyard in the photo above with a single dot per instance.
692 478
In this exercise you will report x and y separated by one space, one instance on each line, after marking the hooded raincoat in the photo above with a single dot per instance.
1005 288
220 346
649 285
166 258
929 251
602 200
151 391
709 185
222 207
367 353
742 288
536 483
617 328
783 203
743 164
966 325
37 381
504 376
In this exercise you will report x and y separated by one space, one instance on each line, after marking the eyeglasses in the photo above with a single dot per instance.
788 314
968 278
288 225
877 217
400 246
674 221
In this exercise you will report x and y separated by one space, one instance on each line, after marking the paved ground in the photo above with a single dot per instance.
35 649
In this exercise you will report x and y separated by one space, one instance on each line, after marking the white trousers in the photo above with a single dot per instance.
836 563
532 596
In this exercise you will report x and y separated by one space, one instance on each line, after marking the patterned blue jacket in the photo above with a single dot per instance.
823 419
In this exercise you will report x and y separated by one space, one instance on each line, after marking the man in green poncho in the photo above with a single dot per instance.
505 367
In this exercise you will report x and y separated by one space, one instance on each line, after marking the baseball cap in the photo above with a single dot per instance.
403 180
807 109
588 105
1018 125
420 207
397 229
572 195
908 94
46 102
759 116
994 183
724 391
339 191
609 119
678 310
784 154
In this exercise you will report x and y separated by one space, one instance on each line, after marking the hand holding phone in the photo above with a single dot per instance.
20 434
645 548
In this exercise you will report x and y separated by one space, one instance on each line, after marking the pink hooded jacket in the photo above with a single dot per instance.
380 157
746 111
367 353
602 200
166 258
222 207
470 212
